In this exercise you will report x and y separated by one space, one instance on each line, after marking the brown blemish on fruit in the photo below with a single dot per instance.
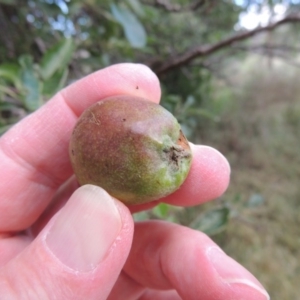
178 152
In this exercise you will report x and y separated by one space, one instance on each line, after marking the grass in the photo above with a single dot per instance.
259 133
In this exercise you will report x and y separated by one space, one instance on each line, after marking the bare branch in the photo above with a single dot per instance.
205 50
166 5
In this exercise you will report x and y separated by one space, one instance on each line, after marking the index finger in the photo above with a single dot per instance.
34 159
166 256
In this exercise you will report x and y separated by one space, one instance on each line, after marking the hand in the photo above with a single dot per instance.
61 241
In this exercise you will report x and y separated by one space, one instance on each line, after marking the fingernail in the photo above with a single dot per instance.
233 273
85 229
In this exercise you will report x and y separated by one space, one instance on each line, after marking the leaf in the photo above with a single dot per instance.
11 72
133 28
30 82
161 210
57 58
212 221
55 82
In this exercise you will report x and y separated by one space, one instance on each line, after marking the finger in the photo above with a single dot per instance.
160 295
127 288
59 199
34 158
129 79
169 256
11 246
78 255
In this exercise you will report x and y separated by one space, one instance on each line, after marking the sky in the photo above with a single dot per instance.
253 18
256 16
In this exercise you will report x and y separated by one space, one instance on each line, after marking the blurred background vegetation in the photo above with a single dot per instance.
229 71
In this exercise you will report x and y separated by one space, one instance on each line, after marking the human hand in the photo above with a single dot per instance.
59 244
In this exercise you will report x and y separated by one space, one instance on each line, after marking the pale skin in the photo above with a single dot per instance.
56 243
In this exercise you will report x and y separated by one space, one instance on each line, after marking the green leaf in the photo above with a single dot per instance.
161 210
11 72
212 221
133 28
55 82
32 99
57 58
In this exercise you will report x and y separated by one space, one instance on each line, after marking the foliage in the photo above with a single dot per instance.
25 85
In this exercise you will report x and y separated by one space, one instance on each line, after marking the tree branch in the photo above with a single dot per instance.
205 50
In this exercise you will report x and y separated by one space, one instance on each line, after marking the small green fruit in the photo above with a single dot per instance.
132 148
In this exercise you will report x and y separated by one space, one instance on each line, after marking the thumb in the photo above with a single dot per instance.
78 255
